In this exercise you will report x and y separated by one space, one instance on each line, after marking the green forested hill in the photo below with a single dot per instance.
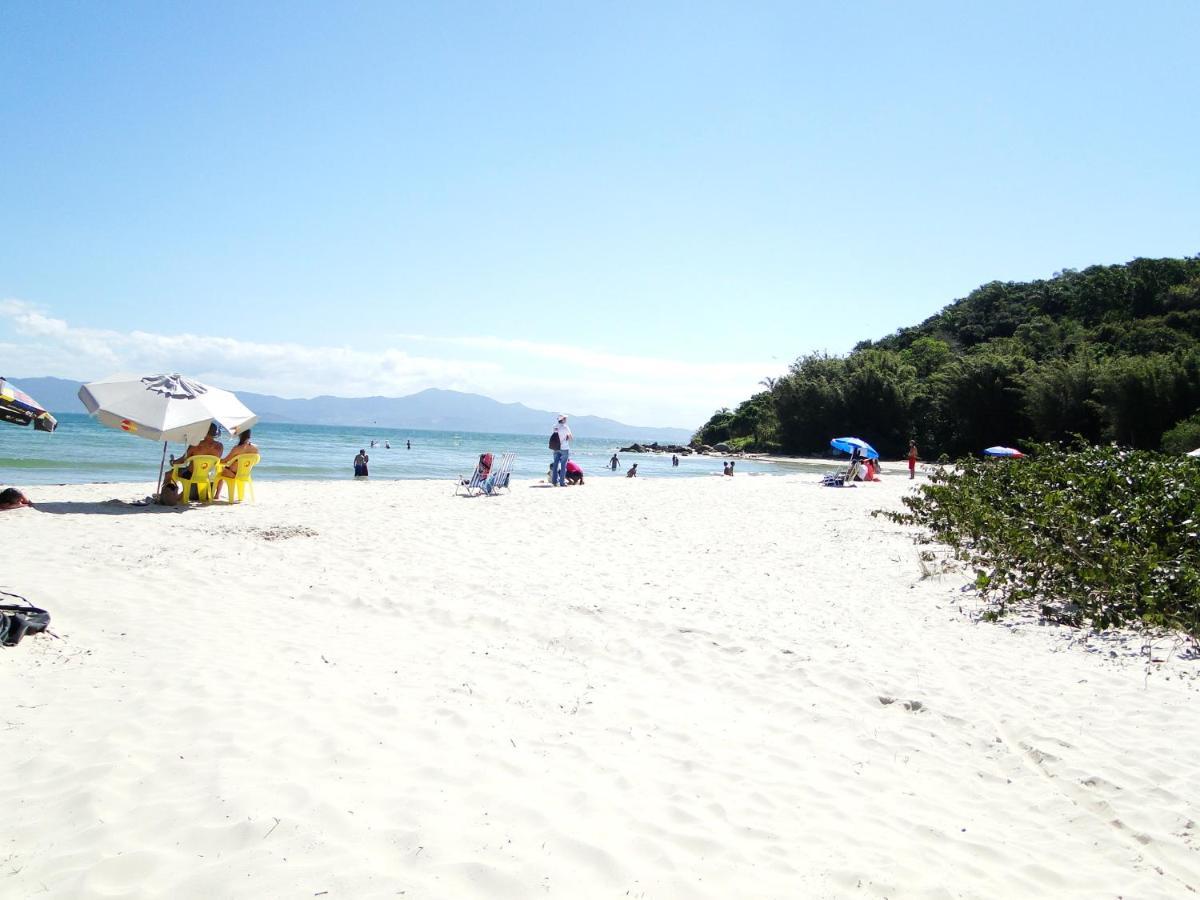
1111 353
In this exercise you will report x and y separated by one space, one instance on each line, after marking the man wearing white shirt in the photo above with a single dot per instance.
558 470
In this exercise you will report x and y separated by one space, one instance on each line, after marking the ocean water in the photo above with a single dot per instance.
82 451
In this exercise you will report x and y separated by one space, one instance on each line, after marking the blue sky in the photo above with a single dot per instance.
631 210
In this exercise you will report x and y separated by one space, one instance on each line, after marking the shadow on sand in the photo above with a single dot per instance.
105 508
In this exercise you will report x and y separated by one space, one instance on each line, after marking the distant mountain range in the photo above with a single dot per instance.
433 410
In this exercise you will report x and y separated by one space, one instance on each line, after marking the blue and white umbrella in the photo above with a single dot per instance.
1011 452
848 445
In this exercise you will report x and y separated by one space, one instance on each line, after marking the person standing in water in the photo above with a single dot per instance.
360 464
408 445
614 462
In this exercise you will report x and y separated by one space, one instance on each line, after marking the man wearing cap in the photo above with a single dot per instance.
558 471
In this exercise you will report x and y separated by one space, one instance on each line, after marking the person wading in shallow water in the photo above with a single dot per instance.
360 464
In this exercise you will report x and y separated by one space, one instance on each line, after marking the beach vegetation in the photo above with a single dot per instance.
1183 437
751 427
1111 353
1095 535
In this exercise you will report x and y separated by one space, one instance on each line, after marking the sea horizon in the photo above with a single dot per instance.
81 451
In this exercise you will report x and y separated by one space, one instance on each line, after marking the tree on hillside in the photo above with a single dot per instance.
756 418
716 429
879 390
1142 397
981 400
810 402
1109 353
1061 399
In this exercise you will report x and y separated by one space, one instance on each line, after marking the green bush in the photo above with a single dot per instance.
1095 535
1184 437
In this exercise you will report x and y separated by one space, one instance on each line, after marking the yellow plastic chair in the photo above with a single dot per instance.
238 481
204 471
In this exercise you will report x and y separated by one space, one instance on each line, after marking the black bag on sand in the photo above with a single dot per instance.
18 621
555 444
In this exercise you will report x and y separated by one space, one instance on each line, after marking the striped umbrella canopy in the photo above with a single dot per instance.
19 408
164 407
1011 452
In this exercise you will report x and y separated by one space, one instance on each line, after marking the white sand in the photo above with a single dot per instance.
723 688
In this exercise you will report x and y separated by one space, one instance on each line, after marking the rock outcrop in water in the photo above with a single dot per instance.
656 447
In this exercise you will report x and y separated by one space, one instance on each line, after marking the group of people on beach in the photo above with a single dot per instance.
171 491
361 459
563 469
865 468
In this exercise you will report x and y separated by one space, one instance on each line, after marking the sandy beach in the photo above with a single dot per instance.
712 688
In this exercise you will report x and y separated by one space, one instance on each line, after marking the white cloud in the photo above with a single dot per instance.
634 389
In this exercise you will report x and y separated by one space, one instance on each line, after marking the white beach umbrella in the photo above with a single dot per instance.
164 407
1195 452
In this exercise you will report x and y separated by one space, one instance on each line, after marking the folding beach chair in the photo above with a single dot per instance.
474 484
500 475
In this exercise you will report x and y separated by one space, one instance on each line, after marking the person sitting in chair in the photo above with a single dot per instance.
209 446
854 473
482 469
229 465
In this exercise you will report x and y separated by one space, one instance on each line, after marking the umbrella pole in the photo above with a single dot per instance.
161 465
